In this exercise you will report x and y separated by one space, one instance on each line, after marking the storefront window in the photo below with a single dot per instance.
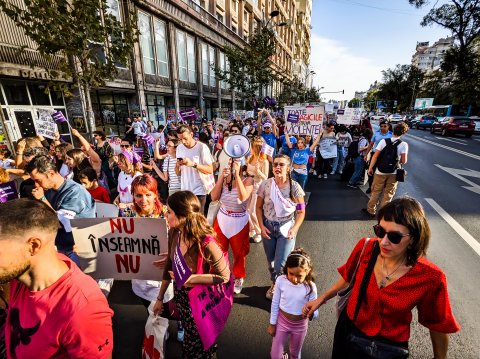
57 98
16 93
156 109
38 95
205 66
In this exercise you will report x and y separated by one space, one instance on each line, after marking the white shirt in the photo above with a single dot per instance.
401 149
125 186
7 163
190 178
137 128
291 298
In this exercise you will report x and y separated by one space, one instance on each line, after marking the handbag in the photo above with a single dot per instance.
401 175
211 305
344 294
213 209
156 328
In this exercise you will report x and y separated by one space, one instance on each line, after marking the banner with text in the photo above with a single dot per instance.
350 116
304 120
45 125
120 248
328 147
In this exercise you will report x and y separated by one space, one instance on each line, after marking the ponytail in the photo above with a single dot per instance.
291 185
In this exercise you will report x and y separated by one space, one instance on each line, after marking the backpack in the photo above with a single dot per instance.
353 149
388 159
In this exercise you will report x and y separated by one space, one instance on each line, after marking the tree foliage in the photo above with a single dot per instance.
461 63
250 68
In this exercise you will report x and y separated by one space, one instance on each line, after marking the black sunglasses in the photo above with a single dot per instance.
393 237
122 146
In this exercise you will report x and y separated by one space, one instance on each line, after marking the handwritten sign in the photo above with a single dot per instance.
45 125
221 121
8 191
309 122
328 147
350 116
120 248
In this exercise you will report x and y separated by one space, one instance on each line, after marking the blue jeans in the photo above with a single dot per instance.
277 248
300 178
358 171
338 162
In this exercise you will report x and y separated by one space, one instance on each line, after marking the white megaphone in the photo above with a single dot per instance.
236 146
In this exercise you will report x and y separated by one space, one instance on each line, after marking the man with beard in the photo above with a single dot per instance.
55 310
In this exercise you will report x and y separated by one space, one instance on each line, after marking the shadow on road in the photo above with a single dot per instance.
254 297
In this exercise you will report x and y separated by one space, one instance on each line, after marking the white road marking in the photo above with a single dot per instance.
449 139
446 147
467 237
461 174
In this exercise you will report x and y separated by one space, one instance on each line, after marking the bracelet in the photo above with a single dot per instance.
43 198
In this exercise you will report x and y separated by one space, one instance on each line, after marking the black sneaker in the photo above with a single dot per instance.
364 210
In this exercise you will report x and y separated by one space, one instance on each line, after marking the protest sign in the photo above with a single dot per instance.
8 191
241 113
45 125
188 115
222 112
328 147
350 116
249 114
309 122
267 150
221 121
120 248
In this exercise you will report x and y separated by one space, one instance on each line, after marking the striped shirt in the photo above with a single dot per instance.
169 164
230 201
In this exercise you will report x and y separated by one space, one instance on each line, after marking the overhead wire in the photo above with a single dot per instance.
390 10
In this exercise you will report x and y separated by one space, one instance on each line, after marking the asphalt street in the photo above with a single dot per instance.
443 174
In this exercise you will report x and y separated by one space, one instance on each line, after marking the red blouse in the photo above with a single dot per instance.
387 312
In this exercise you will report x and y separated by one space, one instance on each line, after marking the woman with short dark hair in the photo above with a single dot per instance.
392 278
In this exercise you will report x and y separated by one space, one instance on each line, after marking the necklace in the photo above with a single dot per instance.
388 277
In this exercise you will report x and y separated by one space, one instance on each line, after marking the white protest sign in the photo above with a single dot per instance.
221 121
328 147
45 125
304 120
350 116
267 150
120 248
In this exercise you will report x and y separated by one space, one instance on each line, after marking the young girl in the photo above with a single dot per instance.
293 290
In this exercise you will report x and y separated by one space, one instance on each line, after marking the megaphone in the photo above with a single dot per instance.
236 146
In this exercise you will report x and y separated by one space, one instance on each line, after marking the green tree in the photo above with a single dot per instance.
87 34
354 103
436 85
461 63
250 68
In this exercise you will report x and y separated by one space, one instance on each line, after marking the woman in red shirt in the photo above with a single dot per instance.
392 278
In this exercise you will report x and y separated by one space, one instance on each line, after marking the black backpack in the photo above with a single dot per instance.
353 149
388 159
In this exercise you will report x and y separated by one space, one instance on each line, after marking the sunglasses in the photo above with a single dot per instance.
235 131
393 237
124 146
281 164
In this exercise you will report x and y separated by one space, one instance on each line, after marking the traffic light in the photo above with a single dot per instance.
343 92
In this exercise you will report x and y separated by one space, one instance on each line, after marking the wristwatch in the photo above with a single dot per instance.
195 165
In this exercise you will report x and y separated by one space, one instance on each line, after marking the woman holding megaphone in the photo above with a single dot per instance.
231 225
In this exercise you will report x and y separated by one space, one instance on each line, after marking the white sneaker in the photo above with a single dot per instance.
252 233
325 176
332 173
270 292
257 238
340 172
314 172
237 287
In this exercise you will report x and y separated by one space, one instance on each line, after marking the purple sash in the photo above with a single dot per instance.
181 272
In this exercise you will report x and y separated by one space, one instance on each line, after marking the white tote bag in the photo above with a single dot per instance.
155 335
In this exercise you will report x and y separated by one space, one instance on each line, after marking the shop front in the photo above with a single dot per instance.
111 111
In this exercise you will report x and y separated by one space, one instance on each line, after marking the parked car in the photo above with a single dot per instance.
414 122
395 118
476 119
378 117
425 121
454 125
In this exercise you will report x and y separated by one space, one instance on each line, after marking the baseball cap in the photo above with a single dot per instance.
267 125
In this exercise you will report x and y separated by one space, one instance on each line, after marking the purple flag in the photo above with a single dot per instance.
59 117
292 117
8 191
148 138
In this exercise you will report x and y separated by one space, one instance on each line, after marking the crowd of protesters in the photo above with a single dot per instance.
179 172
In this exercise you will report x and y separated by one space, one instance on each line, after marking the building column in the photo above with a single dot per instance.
217 81
201 99
174 65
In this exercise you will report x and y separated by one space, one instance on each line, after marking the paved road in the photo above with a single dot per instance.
333 225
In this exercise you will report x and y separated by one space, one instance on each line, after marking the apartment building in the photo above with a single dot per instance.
303 28
171 68
429 57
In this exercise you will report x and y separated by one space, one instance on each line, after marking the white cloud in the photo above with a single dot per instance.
337 68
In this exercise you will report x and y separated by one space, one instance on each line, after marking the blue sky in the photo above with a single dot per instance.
354 40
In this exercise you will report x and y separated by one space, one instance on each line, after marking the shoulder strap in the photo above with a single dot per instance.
359 259
388 141
366 278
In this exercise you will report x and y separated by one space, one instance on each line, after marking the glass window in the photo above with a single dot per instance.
120 99
182 56
38 95
161 46
223 84
211 57
16 93
106 99
205 66
57 98
144 24
192 74
2 101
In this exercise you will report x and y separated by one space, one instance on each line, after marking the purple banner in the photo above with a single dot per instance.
340 112
292 117
8 191
188 115
148 138
59 117
181 272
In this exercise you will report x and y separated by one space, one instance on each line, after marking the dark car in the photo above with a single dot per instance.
425 122
454 125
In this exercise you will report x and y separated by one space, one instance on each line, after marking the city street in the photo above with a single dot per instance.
443 174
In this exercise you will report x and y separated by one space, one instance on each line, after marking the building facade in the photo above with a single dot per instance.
429 58
180 41
303 28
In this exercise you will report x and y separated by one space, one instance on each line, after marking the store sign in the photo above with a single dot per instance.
32 74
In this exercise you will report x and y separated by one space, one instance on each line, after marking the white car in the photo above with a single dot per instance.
477 123
396 117
378 117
